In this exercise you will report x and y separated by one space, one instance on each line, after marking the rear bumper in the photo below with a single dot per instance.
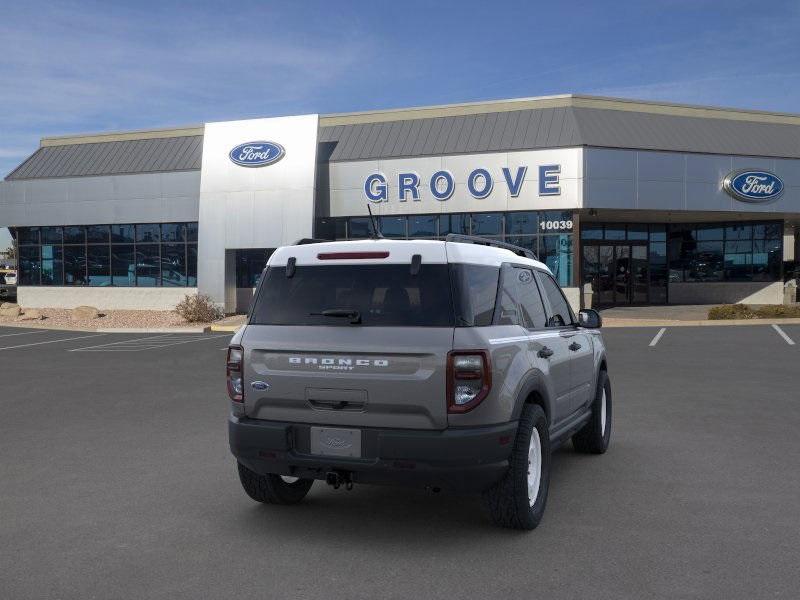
465 459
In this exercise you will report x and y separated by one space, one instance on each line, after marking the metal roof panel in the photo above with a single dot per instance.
182 153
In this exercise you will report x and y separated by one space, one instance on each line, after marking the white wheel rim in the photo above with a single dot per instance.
534 466
289 479
603 413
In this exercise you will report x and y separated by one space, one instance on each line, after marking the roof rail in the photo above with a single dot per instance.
482 241
304 241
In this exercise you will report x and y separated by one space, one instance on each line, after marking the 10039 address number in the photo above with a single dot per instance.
556 225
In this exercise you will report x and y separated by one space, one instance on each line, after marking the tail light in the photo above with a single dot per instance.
234 373
469 379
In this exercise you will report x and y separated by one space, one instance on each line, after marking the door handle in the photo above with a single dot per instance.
545 352
574 346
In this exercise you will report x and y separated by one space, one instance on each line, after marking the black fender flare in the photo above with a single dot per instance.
533 382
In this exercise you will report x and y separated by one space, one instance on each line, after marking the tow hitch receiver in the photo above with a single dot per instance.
339 478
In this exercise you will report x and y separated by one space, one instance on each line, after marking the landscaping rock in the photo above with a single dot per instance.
12 311
8 304
31 315
84 313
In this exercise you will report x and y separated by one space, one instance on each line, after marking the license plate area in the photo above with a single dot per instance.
331 441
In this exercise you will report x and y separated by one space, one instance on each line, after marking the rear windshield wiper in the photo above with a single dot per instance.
344 313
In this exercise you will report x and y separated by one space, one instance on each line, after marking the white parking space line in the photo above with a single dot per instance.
23 333
658 337
782 333
82 337
151 337
148 343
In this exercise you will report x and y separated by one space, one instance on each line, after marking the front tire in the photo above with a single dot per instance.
518 500
596 434
273 489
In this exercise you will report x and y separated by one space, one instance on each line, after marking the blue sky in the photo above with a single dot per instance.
74 67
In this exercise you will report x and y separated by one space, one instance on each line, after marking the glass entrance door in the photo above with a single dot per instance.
638 275
618 272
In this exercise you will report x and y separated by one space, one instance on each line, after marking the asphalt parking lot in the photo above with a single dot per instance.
116 482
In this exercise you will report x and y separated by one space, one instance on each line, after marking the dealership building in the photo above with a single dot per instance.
646 202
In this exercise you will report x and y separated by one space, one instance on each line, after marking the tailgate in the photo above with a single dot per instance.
390 377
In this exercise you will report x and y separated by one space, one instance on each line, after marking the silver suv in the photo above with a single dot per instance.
454 364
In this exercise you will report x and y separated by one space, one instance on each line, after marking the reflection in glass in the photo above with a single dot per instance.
458 223
74 234
27 235
51 235
52 265
739 231
122 234
173 265
487 224
148 265
615 231
99 265
360 228
591 231
422 226
556 252
123 265
97 234
191 270
393 227
524 241
29 264
74 265
172 232
738 267
637 232
148 232
522 223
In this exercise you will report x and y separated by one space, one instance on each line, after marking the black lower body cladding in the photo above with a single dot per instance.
459 459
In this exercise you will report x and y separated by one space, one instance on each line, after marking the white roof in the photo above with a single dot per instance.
400 252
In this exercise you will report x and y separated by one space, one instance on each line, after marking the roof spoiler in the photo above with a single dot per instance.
482 241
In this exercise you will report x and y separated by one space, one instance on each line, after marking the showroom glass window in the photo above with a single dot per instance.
128 255
547 233
745 251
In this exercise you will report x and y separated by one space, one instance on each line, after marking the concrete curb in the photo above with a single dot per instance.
721 323
38 325
225 328
153 330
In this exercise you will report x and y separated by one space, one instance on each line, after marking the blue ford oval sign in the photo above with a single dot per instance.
753 186
257 154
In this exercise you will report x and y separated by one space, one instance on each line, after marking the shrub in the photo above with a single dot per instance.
779 311
746 311
731 311
197 308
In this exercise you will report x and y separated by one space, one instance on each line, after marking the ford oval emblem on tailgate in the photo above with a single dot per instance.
259 385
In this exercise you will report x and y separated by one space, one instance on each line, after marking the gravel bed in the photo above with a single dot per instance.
57 318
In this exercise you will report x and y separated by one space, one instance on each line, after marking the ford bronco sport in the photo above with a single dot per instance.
454 364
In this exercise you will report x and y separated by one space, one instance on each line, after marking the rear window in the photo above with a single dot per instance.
383 295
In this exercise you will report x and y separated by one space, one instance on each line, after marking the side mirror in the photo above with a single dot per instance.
590 319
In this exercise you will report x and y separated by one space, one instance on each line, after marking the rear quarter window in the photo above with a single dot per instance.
474 293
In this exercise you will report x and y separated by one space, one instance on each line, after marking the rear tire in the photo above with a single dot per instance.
518 500
273 489
596 434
